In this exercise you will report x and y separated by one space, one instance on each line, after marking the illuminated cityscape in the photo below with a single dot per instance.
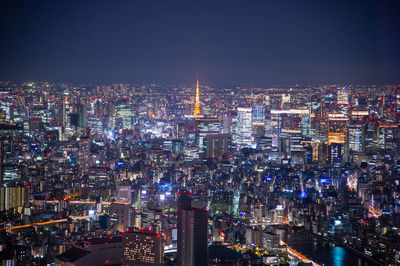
286 152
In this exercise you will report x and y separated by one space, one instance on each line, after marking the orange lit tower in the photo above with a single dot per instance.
197 103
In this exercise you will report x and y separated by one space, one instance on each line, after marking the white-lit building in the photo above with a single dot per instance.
242 135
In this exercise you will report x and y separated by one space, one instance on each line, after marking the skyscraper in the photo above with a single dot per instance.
13 197
192 231
197 103
143 248
204 127
355 138
123 110
243 132
342 96
122 215
259 113
84 154
218 144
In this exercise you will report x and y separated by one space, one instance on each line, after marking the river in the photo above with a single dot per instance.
319 251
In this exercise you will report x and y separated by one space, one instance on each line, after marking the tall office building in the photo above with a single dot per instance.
337 133
67 108
259 113
355 138
243 132
192 231
143 248
123 110
227 122
13 197
121 215
385 135
342 96
218 144
82 115
276 123
204 127
305 125
84 154
337 130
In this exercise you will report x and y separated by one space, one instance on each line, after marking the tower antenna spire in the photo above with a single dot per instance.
197 102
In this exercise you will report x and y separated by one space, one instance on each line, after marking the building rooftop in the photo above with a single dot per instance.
73 254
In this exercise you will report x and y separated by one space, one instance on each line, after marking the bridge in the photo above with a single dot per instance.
298 255
74 218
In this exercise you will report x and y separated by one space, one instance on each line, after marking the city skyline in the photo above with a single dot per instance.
98 166
113 151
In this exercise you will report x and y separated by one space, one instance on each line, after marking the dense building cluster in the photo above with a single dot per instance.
172 175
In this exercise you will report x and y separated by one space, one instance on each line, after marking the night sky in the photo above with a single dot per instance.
226 43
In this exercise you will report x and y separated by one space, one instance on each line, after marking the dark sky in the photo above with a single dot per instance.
226 43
